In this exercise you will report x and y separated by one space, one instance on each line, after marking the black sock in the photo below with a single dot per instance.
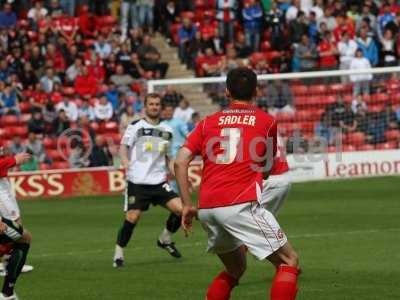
14 267
125 233
173 223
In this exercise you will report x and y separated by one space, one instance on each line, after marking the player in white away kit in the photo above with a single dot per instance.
145 148
9 208
277 186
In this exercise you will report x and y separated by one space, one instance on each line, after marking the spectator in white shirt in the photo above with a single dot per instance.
70 109
37 12
347 49
49 80
361 81
86 111
292 11
103 110
184 111
102 47
74 70
318 9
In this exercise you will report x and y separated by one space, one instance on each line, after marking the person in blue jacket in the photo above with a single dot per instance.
252 21
368 47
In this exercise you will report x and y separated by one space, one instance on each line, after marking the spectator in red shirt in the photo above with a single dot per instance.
343 25
211 64
86 22
56 57
86 84
327 52
68 27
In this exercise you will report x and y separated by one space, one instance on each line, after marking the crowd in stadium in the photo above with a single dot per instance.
84 64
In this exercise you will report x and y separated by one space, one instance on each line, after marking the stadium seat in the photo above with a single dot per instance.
306 127
55 155
68 90
319 89
60 165
380 98
387 146
9 120
395 99
348 148
326 100
18 131
284 117
339 88
300 90
301 102
348 98
50 143
355 138
376 108
392 135
25 107
365 147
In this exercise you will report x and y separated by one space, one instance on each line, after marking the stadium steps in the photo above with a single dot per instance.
199 100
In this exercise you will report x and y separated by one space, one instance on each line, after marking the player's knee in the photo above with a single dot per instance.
132 216
293 259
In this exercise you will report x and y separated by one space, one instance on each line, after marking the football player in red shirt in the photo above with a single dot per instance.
238 146
14 240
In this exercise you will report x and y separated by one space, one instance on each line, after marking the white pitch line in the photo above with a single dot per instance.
187 245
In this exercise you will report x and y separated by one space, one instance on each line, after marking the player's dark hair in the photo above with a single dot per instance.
152 96
242 83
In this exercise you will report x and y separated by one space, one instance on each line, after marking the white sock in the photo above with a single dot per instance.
165 236
119 252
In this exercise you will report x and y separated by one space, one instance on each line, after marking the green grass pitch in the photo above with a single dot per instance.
346 232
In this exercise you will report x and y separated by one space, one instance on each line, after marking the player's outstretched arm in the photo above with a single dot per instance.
181 167
22 158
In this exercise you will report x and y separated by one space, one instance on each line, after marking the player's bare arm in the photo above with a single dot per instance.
123 152
22 158
181 167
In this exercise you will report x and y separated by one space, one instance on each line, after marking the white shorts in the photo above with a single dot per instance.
246 224
275 190
8 204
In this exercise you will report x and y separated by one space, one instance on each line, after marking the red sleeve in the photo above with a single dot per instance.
195 139
7 163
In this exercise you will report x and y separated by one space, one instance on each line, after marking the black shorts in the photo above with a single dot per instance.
140 196
13 233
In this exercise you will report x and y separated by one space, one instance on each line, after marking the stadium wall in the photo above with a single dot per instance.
110 181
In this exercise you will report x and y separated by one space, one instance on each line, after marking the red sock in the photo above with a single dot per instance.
284 286
221 287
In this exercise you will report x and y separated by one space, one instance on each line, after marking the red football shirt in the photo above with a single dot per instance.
5 164
235 145
280 165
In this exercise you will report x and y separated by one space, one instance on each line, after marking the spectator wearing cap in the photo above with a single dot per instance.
48 81
226 10
368 46
70 108
85 83
361 81
252 21
8 18
186 33
151 58
103 110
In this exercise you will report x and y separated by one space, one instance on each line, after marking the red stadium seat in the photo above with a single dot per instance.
365 147
348 148
319 89
387 146
380 98
60 165
326 100
355 138
300 90
286 129
284 117
395 99
55 155
339 88
50 143
9 120
18 131
24 118
348 98
25 107
376 108
392 135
